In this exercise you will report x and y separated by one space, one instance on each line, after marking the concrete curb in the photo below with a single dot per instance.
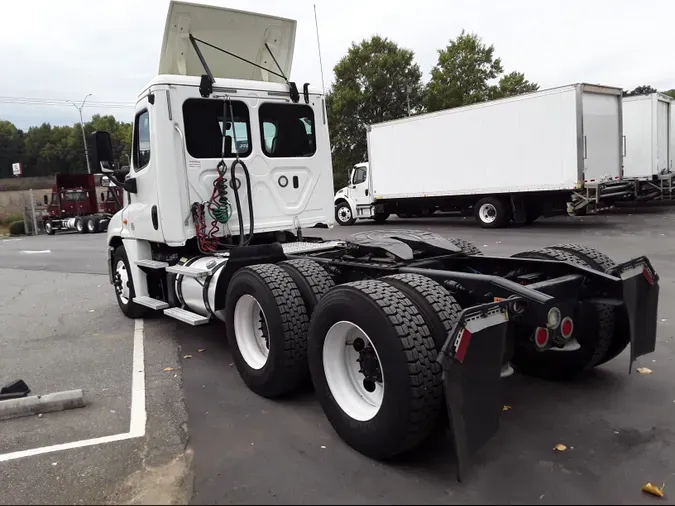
36 404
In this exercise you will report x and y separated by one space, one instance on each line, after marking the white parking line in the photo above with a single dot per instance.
138 410
34 252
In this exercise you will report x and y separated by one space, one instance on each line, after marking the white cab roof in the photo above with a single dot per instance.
239 32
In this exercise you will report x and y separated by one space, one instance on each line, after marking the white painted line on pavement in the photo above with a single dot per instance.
32 252
138 410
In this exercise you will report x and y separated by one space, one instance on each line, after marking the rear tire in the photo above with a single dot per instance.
466 246
533 211
594 328
601 262
312 280
92 225
381 217
402 413
492 212
80 226
266 322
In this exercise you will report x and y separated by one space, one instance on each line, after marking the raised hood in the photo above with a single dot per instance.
239 32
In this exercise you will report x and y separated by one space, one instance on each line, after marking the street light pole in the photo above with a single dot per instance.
84 138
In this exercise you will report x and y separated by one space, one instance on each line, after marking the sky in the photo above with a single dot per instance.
66 49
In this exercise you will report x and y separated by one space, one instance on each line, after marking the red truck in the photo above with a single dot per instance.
74 204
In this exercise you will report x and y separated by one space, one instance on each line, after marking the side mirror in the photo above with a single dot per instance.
104 151
45 199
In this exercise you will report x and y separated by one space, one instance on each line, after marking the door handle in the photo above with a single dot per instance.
366 192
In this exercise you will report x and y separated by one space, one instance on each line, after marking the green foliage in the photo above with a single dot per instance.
373 83
465 73
9 218
641 90
670 93
45 150
17 228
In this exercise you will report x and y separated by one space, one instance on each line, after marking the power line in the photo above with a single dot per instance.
63 102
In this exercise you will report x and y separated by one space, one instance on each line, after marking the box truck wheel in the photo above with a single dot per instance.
313 280
373 365
344 215
593 330
601 262
492 212
49 228
124 285
266 323
381 217
92 225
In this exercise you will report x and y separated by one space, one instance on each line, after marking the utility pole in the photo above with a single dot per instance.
84 138
408 91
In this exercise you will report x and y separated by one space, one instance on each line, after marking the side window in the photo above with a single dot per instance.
287 130
207 120
141 140
360 175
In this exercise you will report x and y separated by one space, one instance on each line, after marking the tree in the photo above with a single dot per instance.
11 147
464 74
641 90
670 93
373 83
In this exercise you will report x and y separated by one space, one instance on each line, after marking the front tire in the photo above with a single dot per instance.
124 286
266 322
389 402
344 215
492 212
49 227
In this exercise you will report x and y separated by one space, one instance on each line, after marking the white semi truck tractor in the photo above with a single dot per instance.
231 165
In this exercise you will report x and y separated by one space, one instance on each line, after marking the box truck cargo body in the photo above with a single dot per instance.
549 145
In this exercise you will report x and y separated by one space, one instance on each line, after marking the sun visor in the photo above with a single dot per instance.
239 32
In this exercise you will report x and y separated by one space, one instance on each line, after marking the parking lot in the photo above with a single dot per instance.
210 439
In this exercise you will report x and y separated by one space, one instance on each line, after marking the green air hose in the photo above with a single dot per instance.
219 205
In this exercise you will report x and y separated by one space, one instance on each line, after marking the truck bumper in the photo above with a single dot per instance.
110 264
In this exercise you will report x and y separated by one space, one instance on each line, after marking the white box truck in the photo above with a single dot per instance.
650 144
507 159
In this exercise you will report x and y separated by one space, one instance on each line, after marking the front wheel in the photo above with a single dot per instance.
373 365
492 212
344 215
49 228
124 285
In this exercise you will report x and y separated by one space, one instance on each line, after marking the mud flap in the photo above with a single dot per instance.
472 360
640 286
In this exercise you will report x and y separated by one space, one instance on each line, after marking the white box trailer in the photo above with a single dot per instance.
650 144
559 145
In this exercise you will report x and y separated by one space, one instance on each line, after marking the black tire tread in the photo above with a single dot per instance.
425 373
443 305
316 278
295 322
467 247
592 256
132 310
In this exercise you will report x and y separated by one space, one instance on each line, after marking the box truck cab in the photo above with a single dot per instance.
355 200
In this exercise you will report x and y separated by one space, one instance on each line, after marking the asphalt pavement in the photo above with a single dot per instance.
240 448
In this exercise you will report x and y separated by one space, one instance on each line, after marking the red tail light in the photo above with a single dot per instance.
541 337
567 327
648 275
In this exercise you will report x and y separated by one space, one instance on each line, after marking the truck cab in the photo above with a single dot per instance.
355 200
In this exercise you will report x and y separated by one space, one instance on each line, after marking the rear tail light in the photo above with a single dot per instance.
462 344
567 327
648 275
541 337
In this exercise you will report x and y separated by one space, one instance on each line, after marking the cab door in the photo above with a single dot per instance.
359 188
141 213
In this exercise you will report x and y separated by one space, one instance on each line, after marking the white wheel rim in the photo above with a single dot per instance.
48 227
90 226
341 368
345 214
251 332
123 290
488 213
79 226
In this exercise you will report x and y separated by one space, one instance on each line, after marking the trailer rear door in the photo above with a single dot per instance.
662 135
602 136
